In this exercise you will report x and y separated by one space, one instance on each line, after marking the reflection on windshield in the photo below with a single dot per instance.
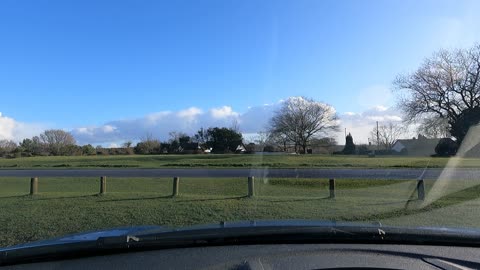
175 114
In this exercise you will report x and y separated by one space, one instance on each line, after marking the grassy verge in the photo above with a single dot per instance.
233 161
67 205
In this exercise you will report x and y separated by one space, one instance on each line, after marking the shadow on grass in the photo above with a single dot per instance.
213 199
452 199
16 196
179 199
302 200
136 199
49 198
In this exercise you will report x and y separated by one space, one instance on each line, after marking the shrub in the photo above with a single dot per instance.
88 150
446 147
269 148
362 150
250 148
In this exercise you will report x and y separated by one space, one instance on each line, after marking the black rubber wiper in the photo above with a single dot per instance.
309 234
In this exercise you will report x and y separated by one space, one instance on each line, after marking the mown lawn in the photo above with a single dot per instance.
69 205
234 161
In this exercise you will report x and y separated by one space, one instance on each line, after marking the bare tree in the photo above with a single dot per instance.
7 146
235 126
301 119
127 144
444 86
434 127
201 136
57 141
262 138
148 145
387 134
280 140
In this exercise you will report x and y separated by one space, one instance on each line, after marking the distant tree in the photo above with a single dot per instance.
73 150
434 127
223 140
301 119
327 143
349 148
468 118
39 148
446 147
269 148
262 139
445 86
235 125
127 144
7 147
28 146
57 141
387 134
250 148
150 146
201 136
183 141
279 140
88 150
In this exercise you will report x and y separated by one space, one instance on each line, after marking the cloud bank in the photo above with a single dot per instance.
189 120
10 129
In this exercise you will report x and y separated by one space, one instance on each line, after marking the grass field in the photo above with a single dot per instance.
233 161
69 205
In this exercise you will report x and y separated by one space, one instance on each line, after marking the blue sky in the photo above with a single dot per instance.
77 64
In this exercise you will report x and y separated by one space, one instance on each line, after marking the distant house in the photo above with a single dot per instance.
421 146
240 149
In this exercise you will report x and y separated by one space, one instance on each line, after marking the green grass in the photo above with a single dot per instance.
69 205
233 161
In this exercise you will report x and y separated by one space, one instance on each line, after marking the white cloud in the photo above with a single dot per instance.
159 124
154 117
108 128
223 112
10 129
83 130
190 112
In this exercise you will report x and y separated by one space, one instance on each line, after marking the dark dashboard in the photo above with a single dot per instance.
279 256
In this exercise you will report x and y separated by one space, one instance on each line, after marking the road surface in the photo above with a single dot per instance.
293 173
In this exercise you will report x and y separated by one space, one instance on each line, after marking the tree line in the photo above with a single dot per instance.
61 143
214 140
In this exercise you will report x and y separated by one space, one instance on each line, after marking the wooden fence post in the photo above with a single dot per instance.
176 186
331 183
421 189
103 185
251 186
33 185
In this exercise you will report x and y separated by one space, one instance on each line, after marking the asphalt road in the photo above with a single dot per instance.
300 173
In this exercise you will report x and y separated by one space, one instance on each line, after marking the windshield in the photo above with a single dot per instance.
180 113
